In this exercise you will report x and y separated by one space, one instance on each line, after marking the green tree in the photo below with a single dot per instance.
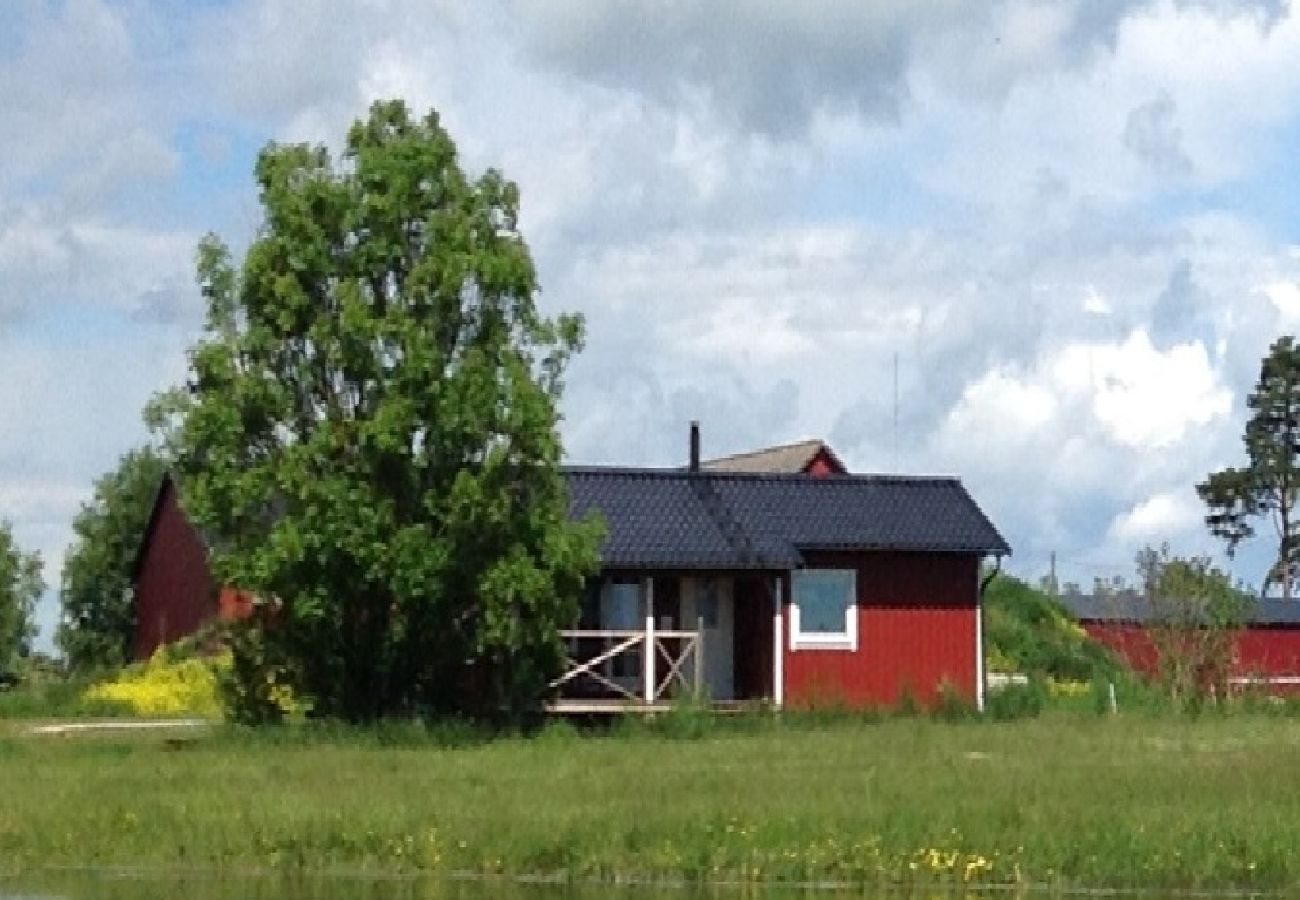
20 587
95 629
1267 485
1194 614
370 431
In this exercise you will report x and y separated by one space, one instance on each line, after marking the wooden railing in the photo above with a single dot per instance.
594 655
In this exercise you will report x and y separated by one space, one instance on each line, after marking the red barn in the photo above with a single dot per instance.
174 590
851 590
1265 650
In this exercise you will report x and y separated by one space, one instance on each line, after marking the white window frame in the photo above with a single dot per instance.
822 640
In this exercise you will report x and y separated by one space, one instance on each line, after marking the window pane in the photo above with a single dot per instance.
707 602
824 598
621 606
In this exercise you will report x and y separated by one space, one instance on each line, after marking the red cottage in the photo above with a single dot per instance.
775 587
847 590
1266 650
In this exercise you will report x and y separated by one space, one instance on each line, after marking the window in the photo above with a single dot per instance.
621 605
706 601
620 610
823 611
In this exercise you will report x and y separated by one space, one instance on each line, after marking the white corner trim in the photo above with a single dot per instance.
778 646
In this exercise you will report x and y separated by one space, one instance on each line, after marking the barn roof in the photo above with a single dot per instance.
1136 608
168 482
788 458
670 518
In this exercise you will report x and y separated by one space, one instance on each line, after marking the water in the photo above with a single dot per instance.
115 885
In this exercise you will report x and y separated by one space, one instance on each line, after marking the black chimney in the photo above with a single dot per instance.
695 446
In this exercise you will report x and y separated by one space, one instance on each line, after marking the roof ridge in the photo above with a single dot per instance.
725 519
722 474
745 454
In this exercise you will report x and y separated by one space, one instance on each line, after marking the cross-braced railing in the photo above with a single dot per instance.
615 662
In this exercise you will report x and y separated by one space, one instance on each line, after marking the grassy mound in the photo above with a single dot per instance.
1027 630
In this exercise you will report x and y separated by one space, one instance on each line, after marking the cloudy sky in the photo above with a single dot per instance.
1075 225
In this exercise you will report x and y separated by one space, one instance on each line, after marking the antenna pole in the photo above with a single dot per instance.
895 411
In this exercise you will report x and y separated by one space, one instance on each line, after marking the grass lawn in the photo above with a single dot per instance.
1065 799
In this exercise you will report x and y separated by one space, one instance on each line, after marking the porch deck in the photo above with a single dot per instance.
597 706
628 670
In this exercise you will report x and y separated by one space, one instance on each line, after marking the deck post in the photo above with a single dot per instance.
778 645
699 656
979 655
648 657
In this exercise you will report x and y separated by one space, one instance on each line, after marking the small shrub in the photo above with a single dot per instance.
951 705
1101 694
828 716
689 718
1016 701
907 704
165 686
558 731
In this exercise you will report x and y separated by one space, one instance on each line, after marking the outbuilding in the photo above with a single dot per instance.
1265 648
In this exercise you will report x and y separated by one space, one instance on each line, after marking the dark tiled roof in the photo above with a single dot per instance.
668 518
1135 608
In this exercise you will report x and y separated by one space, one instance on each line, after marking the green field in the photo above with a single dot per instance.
1064 800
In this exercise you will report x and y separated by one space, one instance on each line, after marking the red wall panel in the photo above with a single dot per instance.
1268 651
1129 642
822 464
916 632
1265 651
174 593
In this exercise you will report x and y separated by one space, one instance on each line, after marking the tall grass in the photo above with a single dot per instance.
55 697
1063 799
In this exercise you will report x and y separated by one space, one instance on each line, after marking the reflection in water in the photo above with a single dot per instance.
120 886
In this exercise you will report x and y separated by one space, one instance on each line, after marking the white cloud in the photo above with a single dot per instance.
1000 413
1095 303
1160 518
1144 398
32 499
1085 429
1183 95
1286 297
49 256
1126 394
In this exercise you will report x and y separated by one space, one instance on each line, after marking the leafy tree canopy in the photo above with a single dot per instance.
1194 611
1266 487
370 432
20 587
96 593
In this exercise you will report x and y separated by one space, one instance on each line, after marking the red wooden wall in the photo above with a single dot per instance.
174 593
917 631
1129 642
1270 651
1260 651
823 463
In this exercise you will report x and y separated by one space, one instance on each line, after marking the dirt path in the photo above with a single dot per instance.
187 727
